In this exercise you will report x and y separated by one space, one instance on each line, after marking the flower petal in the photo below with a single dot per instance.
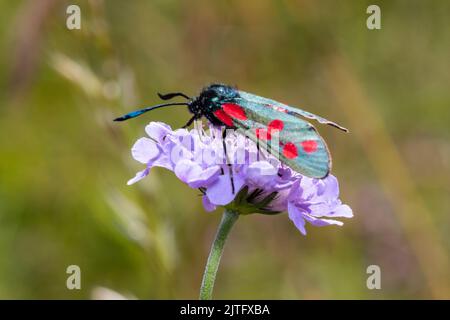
205 178
139 176
262 173
192 173
220 193
207 204
328 188
343 210
319 209
162 161
157 131
187 170
321 222
144 150
297 217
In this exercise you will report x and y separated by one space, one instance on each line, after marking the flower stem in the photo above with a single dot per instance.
209 276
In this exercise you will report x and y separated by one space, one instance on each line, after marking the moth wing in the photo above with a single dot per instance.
278 106
299 145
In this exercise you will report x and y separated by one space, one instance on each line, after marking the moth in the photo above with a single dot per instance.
300 145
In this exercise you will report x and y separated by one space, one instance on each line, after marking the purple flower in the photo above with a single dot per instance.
262 183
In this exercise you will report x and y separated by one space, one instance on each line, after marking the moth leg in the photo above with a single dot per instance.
189 122
257 150
230 170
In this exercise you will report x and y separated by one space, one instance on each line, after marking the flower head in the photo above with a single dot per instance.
261 183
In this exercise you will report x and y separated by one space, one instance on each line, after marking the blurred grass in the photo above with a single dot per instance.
64 164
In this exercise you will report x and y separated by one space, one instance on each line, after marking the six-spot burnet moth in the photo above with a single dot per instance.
300 145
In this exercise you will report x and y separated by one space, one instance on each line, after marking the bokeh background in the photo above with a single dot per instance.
64 164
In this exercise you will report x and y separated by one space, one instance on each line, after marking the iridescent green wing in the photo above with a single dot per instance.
292 139
278 106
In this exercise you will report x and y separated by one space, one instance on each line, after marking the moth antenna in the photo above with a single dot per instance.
169 96
137 113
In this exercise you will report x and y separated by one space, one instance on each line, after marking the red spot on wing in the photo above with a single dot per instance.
263 134
234 110
290 150
279 109
309 146
222 116
266 134
276 125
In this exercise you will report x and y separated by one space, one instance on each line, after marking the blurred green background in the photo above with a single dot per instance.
64 164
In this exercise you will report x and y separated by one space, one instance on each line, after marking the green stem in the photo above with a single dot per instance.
228 219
